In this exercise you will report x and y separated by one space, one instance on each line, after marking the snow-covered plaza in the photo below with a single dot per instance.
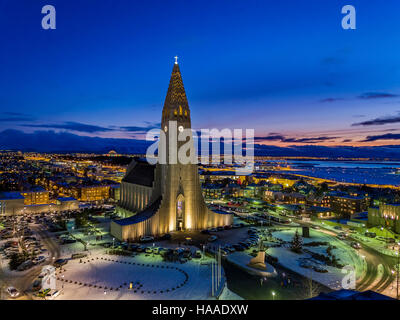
101 276
305 264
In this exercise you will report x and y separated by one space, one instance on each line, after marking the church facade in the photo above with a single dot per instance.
165 197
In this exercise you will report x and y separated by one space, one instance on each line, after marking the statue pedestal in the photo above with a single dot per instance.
258 262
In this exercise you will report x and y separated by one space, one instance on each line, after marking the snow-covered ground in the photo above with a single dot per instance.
150 276
346 255
241 260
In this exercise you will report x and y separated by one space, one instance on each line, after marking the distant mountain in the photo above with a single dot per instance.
389 152
50 141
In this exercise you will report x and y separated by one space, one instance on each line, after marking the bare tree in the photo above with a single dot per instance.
311 288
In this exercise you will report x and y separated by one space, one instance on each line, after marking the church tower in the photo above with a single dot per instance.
166 197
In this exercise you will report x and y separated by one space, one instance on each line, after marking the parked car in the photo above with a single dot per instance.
245 245
183 260
197 255
42 293
60 262
238 247
149 250
166 236
212 238
37 285
25 265
78 255
146 239
12 292
52 294
133 247
39 260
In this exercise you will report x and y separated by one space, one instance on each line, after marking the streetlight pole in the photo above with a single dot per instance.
397 271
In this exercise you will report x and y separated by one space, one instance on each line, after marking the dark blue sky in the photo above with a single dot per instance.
285 68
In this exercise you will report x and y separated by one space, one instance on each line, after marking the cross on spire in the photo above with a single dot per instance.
176 59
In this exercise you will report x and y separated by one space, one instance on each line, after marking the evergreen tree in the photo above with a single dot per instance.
297 243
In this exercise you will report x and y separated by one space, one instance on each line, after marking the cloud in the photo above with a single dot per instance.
327 100
377 95
282 138
388 136
73 126
270 138
379 121
16 119
309 140
141 129
9 113
347 140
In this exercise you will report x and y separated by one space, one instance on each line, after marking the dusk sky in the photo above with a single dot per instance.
285 68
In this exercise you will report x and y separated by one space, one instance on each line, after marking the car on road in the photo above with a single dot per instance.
370 234
356 245
315 227
341 236
212 238
12 292
337 227
146 239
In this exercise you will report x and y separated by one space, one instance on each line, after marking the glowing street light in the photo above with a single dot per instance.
273 295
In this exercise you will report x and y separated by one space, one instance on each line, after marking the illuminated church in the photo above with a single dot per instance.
158 199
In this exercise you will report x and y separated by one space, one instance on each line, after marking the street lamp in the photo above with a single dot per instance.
273 295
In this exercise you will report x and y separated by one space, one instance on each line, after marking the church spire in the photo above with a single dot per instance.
176 106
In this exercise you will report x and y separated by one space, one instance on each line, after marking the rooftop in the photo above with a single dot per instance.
11 195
